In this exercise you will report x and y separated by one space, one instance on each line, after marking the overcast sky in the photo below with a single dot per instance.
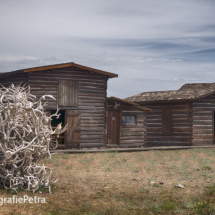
152 45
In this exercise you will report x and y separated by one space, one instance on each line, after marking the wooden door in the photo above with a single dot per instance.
73 137
113 128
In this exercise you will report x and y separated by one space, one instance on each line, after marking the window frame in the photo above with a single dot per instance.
135 120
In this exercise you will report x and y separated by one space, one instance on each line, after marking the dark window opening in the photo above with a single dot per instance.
55 121
167 121
128 120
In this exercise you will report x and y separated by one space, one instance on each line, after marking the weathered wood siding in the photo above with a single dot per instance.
68 93
181 125
134 134
203 121
7 80
91 99
131 135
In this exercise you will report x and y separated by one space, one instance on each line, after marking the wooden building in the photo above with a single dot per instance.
80 93
126 123
181 117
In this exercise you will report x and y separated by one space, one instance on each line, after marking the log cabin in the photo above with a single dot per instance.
81 95
184 117
126 123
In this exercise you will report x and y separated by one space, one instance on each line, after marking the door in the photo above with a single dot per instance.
113 128
73 137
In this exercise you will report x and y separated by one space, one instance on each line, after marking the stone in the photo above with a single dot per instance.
153 182
180 186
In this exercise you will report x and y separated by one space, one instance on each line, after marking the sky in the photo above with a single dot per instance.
152 45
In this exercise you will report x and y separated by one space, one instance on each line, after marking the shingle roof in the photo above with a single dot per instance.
186 92
197 86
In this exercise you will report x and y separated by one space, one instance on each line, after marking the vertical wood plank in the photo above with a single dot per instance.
68 93
167 121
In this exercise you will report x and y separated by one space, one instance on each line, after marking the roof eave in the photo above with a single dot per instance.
57 66
164 101
135 105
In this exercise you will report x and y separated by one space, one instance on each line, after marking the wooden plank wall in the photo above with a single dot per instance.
16 79
203 123
181 125
131 135
134 134
92 97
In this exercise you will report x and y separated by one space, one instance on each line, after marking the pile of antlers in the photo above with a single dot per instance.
26 136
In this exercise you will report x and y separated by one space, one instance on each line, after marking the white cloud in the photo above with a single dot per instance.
152 45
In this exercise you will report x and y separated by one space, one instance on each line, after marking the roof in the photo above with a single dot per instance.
128 103
64 65
174 95
197 86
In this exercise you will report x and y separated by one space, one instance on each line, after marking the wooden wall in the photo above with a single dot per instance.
134 135
131 135
91 97
181 125
7 79
203 120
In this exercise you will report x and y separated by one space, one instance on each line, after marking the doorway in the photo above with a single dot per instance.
113 127
55 121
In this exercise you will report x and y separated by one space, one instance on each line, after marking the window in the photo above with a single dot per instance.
128 120
167 121
68 93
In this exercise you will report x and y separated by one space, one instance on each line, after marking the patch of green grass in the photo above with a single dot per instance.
210 190
69 167
86 160
154 206
57 164
168 205
144 190
157 185
124 160
108 169
197 150
188 203
206 168
65 156
113 154
204 208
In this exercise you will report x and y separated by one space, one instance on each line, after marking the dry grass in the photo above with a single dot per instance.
118 183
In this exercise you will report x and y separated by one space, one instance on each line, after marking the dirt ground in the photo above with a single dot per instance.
123 183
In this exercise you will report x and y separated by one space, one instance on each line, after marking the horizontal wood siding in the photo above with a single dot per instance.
91 99
13 79
203 123
134 134
181 125
131 135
